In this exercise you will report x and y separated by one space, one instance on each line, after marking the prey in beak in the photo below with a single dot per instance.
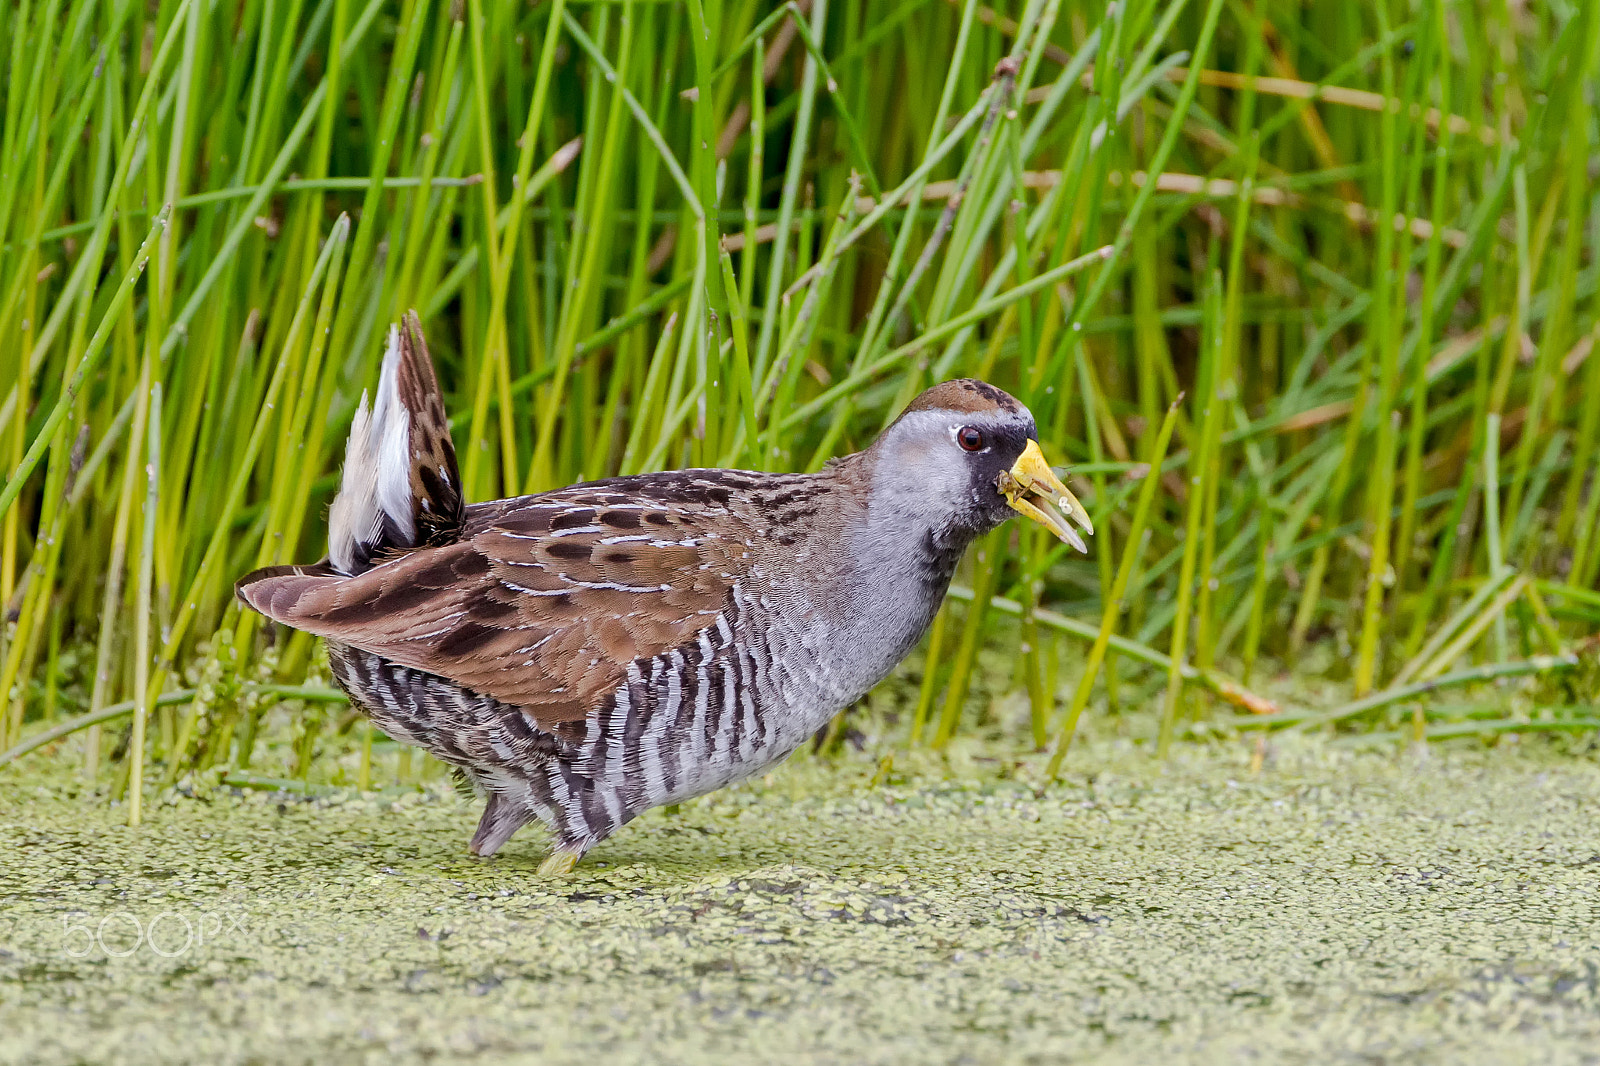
1032 489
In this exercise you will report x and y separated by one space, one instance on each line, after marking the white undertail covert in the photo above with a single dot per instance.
376 484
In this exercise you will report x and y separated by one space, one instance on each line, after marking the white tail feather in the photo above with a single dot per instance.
375 490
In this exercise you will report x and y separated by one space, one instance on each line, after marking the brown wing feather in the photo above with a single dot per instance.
542 608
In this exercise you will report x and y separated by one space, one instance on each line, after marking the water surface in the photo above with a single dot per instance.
1334 907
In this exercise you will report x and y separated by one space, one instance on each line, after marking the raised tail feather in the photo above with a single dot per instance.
401 488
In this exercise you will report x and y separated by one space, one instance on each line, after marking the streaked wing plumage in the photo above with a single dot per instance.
546 600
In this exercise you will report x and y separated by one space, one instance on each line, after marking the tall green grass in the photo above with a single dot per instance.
1355 245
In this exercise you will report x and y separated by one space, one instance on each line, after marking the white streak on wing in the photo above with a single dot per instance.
446 623
513 586
612 586
535 646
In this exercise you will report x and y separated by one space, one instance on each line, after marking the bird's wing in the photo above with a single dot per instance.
543 606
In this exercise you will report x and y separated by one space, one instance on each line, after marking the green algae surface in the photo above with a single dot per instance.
1334 906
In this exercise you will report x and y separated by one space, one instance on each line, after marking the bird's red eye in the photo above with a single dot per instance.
970 439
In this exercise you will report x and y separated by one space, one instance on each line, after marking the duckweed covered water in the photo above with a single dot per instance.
1333 907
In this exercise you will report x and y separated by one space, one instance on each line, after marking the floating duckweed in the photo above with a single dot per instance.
1337 906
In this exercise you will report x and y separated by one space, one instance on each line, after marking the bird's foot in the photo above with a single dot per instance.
560 862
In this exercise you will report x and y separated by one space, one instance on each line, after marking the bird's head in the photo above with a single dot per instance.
965 456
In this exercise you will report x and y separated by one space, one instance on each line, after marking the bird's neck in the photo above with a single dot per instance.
905 559
893 558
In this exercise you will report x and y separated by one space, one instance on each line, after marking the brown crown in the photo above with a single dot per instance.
966 395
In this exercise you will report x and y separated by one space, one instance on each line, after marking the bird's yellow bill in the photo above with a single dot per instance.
1032 489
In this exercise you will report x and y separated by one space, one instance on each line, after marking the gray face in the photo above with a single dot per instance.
941 469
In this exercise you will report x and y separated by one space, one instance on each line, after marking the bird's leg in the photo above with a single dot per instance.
561 860
501 818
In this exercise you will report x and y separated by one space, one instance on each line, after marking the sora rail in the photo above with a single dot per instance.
588 653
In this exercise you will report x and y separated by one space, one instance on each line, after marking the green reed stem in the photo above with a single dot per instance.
1113 607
